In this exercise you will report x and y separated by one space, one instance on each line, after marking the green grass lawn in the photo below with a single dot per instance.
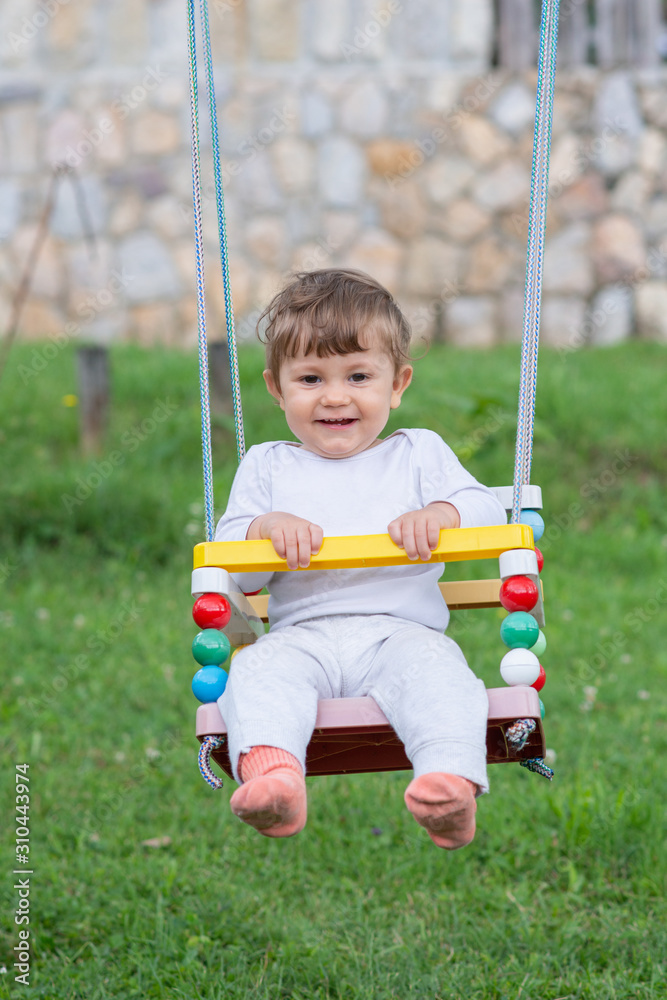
562 893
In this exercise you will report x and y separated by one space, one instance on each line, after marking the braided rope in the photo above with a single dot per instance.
537 765
201 305
534 255
517 734
209 744
222 235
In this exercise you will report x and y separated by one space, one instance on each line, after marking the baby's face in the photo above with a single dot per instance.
337 406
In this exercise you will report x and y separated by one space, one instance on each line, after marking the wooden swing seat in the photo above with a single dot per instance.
352 735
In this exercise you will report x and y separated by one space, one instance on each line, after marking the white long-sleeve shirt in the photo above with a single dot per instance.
355 496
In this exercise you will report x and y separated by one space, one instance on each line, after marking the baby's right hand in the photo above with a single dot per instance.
293 538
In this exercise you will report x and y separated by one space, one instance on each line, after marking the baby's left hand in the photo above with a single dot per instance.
418 531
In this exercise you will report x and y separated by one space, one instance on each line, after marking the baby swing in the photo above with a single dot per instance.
351 734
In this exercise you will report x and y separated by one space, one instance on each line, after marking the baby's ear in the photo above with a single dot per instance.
271 385
401 381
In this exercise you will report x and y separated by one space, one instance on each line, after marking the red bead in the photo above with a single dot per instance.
518 593
541 680
211 611
540 560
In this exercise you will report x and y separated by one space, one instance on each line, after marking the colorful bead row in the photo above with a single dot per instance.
520 631
210 647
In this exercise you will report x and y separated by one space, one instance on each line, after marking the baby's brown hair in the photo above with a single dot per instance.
326 311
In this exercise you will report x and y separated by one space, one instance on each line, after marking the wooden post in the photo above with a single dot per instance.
219 378
516 34
610 38
574 36
93 377
647 23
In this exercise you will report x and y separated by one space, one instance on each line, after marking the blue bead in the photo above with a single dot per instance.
209 683
542 708
210 647
534 519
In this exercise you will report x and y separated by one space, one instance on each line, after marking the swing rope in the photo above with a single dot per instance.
539 189
199 258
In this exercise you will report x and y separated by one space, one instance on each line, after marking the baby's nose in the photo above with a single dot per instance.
336 394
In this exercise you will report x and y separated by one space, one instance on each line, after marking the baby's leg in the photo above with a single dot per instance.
439 709
270 705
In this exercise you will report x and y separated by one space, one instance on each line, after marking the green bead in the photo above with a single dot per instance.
211 647
519 630
540 644
542 709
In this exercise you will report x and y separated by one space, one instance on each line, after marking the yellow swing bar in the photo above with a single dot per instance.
350 551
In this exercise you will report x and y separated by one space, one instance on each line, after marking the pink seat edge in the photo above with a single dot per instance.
340 713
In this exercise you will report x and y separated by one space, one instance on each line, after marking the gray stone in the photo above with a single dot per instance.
316 114
265 238
275 29
10 208
511 314
20 91
293 160
651 302
491 265
656 219
616 108
48 278
67 221
652 146
562 322
471 33
611 316
368 35
377 254
514 108
363 111
481 141
447 177
443 91
631 193
470 321
618 124
508 186
618 248
329 31
402 210
432 267
567 265
463 220
20 138
341 172
256 183
149 268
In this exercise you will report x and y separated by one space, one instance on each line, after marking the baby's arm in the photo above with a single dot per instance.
294 538
418 531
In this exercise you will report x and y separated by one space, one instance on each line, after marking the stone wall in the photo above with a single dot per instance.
365 133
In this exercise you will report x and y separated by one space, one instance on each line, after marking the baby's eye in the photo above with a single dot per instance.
358 377
310 379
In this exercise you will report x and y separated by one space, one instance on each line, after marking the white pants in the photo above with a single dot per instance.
418 677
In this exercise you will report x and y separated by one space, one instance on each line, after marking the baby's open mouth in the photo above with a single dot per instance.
339 422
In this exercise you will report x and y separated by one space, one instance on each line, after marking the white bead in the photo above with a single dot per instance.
531 497
518 562
519 666
210 580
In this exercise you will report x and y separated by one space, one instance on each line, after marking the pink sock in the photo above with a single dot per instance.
272 797
445 805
